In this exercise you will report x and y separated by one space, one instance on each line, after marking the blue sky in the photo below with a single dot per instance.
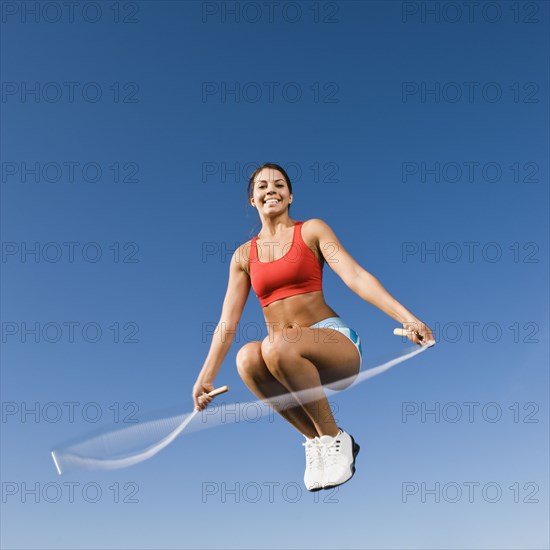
420 137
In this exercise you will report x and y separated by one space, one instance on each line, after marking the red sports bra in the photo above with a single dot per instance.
298 271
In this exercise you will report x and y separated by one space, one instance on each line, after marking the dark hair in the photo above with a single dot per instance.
258 170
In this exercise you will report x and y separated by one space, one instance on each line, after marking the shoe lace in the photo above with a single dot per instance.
332 452
313 451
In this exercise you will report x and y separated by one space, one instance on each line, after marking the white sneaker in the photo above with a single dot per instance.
339 454
313 476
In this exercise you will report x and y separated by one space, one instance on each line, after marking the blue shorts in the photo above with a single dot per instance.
337 323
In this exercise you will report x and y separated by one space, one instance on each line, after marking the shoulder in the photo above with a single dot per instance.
241 256
314 232
315 228
318 233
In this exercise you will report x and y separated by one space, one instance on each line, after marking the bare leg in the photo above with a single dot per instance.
260 381
304 361
296 373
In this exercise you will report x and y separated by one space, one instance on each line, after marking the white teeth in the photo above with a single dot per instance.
271 201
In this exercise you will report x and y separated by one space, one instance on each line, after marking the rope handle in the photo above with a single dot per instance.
218 391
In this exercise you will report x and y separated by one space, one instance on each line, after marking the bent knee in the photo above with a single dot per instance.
275 350
249 359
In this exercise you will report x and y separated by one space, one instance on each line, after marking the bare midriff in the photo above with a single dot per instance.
301 310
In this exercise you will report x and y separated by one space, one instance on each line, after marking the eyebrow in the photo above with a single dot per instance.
265 181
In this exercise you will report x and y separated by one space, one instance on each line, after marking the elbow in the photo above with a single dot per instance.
362 285
353 281
229 320
228 324
357 275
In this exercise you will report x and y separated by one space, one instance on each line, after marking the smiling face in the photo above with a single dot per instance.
271 194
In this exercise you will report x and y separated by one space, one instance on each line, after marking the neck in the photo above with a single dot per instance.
273 226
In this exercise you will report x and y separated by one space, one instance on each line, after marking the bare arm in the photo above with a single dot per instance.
364 284
238 288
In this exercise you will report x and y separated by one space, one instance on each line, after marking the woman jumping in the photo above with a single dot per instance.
308 345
